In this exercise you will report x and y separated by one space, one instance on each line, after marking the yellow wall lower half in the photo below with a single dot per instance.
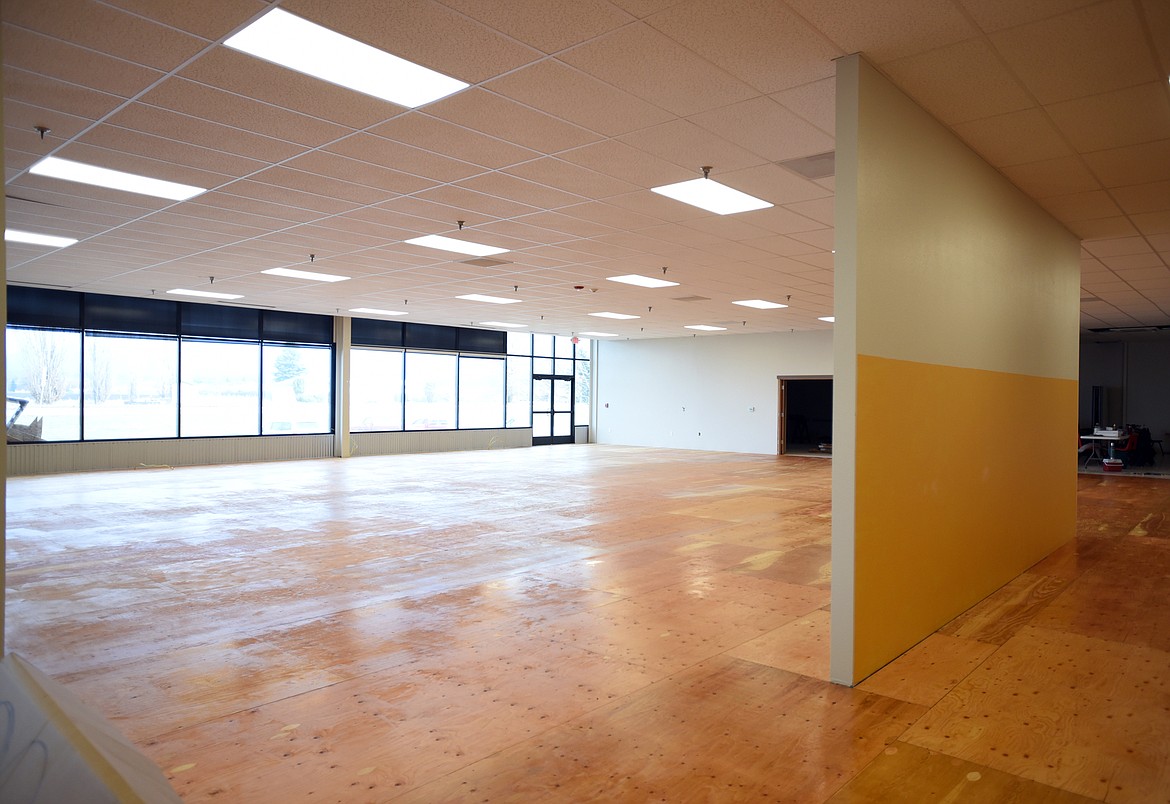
964 478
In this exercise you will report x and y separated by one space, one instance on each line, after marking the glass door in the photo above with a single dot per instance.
552 409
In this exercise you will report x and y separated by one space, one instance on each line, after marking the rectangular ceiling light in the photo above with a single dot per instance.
705 327
760 304
618 316
489 299
831 319
204 294
458 246
17 236
599 334
502 324
69 170
290 41
712 196
642 281
293 273
375 311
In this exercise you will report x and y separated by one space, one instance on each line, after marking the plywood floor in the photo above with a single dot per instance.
568 624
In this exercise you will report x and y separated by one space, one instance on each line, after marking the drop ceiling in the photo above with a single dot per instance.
576 109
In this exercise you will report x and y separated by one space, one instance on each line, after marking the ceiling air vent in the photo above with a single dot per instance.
485 262
818 166
691 298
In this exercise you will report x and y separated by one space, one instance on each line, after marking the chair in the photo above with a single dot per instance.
1129 453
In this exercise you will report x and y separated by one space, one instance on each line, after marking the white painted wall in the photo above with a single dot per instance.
697 393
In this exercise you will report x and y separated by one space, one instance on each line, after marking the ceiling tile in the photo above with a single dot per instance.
773 183
651 66
405 158
572 178
354 171
474 204
229 109
765 128
1102 227
572 95
607 215
1082 206
690 146
1014 138
1049 177
484 111
816 102
1152 223
960 82
1134 164
860 26
1116 247
56 96
209 19
429 133
105 29
763 43
1151 197
1083 52
1125 117
185 128
76 65
425 32
173 151
548 25
619 160
520 190
993 15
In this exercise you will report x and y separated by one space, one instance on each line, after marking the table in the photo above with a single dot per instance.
1095 441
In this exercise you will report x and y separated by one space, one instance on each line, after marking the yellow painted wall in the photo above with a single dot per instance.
960 300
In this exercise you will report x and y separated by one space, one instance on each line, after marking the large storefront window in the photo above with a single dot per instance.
44 385
375 389
219 388
130 386
430 391
481 392
298 382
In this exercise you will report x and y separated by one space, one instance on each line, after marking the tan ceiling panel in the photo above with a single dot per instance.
783 246
521 230
1146 265
484 111
105 29
572 95
76 65
960 82
691 146
1102 227
1152 223
353 171
197 131
430 133
726 227
761 42
610 215
1117 247
555 172
1082 206
1126 117
177 152
653 67
474 205
250 77
210 19
782 219
774 184
1135 164
1014 138
619 160
56 96
252 199
655 206
85 197
1084 52
994 15
1050 177
226 108
402 157
520 190
548 25
861 26
132 162
1151 197
816 102
766 128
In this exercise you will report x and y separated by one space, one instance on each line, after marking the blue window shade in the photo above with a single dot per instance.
277 325
482 340
126 314
41 307
216 321
371 332
431 336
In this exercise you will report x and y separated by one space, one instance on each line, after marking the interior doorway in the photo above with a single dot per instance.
804 424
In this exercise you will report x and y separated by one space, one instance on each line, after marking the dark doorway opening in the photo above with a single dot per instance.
806 416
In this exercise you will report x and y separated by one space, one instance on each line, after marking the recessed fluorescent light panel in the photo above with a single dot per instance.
204 294
489 299
69 170
599 334
375 311
502 325
293 273
712 196
705 327
618 316
458 246
760 304
642 281
831 319
295 43
17 236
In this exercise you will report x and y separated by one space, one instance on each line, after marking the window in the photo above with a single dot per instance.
298 389
44 385
130 386
581 392
519 343
375 389
519 407
481 392
430 391
542 345
219 388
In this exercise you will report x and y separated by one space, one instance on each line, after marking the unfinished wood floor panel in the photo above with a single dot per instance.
567 624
